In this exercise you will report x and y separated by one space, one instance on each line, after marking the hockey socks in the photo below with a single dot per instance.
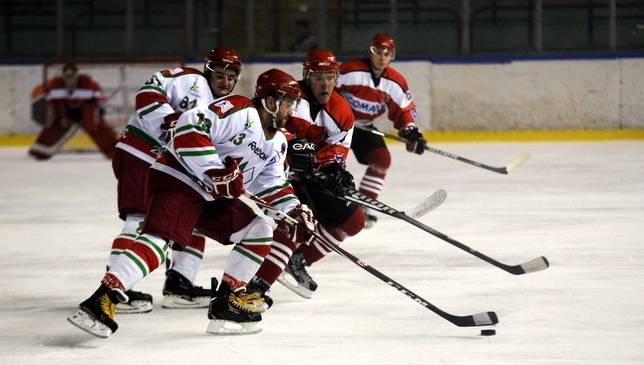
124 240
187 260
146 253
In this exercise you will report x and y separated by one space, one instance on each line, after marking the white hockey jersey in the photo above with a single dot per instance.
166 92
229 127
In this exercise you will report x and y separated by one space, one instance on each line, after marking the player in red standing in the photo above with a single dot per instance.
372 87
323 118
74 101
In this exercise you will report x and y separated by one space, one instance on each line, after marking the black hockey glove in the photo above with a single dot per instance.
301 156
336 179
415 141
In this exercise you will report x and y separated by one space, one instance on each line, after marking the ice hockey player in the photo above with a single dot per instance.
195 183
372 87
74 101
159 103
323 118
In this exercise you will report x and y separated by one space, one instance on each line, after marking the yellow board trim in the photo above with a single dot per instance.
81 140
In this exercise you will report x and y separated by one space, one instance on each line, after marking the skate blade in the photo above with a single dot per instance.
87 323
289 281
224 327
177 302
135 307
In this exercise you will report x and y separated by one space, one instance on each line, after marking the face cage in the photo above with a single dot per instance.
210 68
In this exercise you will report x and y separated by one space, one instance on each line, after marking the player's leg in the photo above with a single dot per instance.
237 304
179 290
371 150
132 198
336 222
171 216
52 138
99 131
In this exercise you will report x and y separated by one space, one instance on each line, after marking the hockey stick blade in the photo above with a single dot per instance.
516 164
534 265
429 204
357 197
479 319
474 320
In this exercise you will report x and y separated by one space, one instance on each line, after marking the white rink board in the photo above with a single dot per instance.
519 95
579 204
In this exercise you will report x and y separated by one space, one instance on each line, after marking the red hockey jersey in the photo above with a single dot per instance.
369 97
330 126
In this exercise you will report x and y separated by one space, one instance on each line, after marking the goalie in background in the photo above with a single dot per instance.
71 101
372 87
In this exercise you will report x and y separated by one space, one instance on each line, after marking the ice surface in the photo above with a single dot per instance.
579 204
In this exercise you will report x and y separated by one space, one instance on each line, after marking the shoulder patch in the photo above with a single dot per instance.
223 107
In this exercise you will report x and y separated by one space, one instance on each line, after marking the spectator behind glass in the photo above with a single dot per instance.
305 40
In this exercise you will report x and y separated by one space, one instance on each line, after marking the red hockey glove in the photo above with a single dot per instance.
415 141
169 122
227 182
302 231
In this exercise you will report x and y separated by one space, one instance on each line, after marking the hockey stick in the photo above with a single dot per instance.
500 170
429 204
352 195
479 319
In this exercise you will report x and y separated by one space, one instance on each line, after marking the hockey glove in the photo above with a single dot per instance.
169 122
227 182
415 141
302 231
337 180
301 156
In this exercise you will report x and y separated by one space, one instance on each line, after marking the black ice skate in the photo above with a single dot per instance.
296 278
178 292
96 314
235 312
138 302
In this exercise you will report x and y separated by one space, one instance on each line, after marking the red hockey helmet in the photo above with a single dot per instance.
278 84
383 40
320 60
225 58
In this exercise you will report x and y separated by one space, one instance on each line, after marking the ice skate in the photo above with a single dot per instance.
296 278
179 292
96 314
235 312
138 302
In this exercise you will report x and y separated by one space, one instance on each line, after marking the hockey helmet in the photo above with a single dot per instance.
320 60
278 84
383 40
282 87
225 58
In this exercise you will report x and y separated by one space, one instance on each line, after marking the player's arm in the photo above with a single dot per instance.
402 111
153 107
338 124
